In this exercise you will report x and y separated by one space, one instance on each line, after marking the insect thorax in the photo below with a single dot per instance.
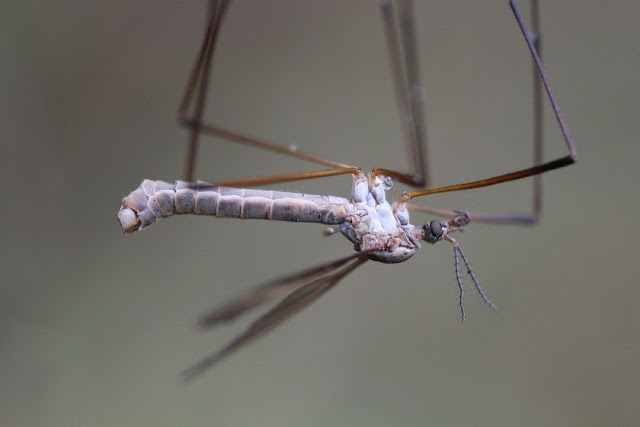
373 225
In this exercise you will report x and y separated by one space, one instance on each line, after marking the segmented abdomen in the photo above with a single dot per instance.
153 200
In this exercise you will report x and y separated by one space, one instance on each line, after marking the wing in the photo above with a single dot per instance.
302 288
269 291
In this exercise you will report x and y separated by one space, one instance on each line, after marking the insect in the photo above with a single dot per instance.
378 229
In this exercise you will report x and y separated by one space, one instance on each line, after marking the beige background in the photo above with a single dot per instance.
94 326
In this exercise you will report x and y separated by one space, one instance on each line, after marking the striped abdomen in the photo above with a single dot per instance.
153 200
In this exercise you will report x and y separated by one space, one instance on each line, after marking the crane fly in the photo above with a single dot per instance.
378 229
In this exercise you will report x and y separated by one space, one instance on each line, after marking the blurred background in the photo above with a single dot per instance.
96 326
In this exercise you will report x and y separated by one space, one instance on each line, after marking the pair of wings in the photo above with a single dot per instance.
297 290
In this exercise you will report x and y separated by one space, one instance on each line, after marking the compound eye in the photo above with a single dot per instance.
436 229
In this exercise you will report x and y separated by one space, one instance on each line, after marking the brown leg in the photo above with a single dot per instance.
540 80
403 59
198 82
194 98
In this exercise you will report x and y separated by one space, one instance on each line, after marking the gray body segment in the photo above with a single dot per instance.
154 200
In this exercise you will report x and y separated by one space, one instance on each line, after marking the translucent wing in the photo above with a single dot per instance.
269 291
303 288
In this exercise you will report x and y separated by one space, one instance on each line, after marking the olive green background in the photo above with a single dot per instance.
95 326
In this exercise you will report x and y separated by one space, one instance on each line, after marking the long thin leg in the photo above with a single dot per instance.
403 59
482 217
197 88
524 173
538 116
273 179
199 80
342 168
516 219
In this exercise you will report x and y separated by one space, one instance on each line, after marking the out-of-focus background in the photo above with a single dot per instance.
96 326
